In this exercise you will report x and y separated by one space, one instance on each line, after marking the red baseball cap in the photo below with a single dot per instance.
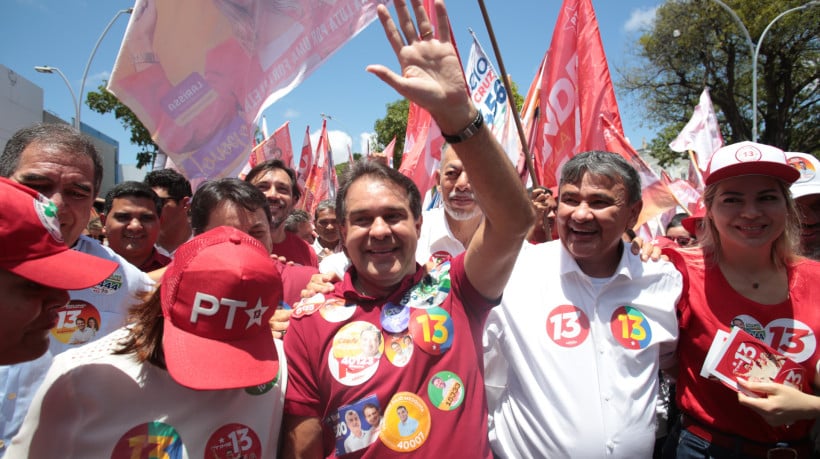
31 245
749 158
218 295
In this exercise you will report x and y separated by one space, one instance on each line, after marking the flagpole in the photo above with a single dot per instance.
505 79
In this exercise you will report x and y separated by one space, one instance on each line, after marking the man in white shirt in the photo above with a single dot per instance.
573 352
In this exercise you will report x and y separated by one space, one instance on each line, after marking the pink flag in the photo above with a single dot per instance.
423 141
657 198
575 92
701 134
389 150
305 162
197 74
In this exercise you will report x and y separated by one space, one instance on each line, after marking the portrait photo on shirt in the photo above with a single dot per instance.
356 425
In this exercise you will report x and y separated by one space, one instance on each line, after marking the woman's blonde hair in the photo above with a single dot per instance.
784 249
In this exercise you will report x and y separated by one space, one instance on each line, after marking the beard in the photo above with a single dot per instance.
462 214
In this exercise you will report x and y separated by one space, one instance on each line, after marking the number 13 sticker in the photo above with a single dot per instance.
432 330
567 325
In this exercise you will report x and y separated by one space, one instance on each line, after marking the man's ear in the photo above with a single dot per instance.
634 213
186 202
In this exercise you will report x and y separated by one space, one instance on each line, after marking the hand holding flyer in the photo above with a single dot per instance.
739 355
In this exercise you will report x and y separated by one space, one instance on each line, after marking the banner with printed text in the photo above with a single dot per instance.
198 73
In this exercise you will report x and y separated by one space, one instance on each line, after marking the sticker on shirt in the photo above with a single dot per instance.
399 348
110 285
395 317
630 328
357 349
432 330
357 425
567 325
46 211
446 390
264 388
431 290
308 306
406 423
335 310
233 441
788 336
78 322
150 440
751 326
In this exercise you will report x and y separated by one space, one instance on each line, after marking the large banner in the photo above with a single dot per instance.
197 73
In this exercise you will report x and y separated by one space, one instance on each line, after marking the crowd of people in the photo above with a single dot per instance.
507 323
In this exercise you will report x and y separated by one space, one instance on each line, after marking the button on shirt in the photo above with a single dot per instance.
583 356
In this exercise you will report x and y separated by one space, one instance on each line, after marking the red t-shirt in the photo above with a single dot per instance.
297 250
709 303
430 402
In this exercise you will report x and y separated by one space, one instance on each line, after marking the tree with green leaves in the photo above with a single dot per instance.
102 101
696 43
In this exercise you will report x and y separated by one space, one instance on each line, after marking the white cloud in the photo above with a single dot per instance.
291 113
340 141
640 19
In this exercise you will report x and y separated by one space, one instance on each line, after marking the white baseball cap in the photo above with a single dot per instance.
809 168
749 158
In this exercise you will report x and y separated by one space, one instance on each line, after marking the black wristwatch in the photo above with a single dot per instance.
467 132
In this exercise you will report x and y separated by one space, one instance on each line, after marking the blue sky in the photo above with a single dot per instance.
62 34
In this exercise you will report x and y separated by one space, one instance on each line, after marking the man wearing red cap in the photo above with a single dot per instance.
195 374
64 166
36 269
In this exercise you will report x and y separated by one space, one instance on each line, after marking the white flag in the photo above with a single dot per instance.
701 134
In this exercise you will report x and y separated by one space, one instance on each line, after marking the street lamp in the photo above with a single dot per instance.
755 50
48 69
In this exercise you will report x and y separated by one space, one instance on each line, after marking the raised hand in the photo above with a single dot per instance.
431 75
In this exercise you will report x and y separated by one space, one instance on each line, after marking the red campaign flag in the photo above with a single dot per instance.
657 198
423 141
305 163
320 183
576 90
277 146
389 150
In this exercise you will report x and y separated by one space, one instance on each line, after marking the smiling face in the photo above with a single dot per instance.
275 184
354 423
371 415
591 217
456 192
65 178
749 212
132 227
27 316
380 234
327 227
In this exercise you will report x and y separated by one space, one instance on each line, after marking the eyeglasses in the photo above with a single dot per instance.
683 241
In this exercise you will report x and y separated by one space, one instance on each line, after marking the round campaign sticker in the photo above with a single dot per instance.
264 388
335 310
446 390
398 347
395 317
110 285
357 349
78 322
308 306
567 326
406 423
805 167
233 441
432 330
431 290
150 440
750 325
630 328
